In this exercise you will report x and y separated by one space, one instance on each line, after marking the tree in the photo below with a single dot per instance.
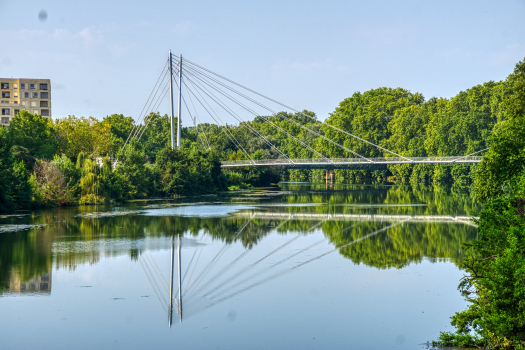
35 133
15 191
188 172
50 185
494 284
505 160
133 178
86 135
120 127
22 154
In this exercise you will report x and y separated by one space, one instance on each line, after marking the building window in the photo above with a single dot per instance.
22 86
26 94
45 113
23 103
5 120
15 94
4 85
6 111
35 94
16 102
6 94
16 111
44 104
33 103
35 111
43 86
32 86
44 95
15 86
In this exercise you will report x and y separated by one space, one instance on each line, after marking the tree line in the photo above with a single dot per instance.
64 161
67 161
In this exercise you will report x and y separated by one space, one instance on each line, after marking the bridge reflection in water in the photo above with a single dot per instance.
215 283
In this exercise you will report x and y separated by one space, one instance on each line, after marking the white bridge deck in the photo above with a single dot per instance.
345 162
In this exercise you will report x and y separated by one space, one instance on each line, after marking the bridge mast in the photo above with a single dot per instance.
172 121
170 310
180 95
180 282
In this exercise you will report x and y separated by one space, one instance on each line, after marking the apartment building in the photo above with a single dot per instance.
32 95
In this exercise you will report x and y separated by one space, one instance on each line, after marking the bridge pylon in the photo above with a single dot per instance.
330 176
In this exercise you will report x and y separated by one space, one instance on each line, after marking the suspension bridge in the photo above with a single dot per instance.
203 93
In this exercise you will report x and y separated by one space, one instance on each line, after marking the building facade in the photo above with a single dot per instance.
32 95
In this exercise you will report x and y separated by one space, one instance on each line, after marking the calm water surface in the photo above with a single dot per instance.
295 267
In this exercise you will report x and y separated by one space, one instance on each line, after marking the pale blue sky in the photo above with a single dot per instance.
103 57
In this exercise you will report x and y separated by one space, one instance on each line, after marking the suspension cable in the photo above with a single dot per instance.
240 120
194 119
284 116
284 131
134 124
191 100
225 129
270 99
468 155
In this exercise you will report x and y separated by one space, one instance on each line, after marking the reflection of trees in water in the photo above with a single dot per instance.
402 244
437 200
67 242
23 256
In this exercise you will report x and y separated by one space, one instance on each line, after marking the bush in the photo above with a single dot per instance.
50 186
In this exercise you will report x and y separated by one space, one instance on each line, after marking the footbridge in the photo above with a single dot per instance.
203 93
349 163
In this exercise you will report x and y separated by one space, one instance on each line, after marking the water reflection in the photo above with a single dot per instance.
36 285
379 226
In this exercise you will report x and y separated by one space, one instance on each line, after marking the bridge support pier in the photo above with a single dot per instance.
330 176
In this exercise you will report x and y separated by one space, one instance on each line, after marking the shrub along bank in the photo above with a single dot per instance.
495 263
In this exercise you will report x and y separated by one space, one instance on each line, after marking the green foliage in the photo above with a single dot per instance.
35 133
15 191
505 160
157 135
50 186
70 172
464 340
120 127
188 172
367 115
86 135
495 284
93 187
22 154
132 177
495 263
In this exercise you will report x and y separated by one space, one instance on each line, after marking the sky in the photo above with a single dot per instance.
104 57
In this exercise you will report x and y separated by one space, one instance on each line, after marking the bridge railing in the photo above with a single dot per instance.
381 160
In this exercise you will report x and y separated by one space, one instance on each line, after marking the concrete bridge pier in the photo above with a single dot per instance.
330 176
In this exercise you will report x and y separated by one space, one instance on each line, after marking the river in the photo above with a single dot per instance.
298 266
